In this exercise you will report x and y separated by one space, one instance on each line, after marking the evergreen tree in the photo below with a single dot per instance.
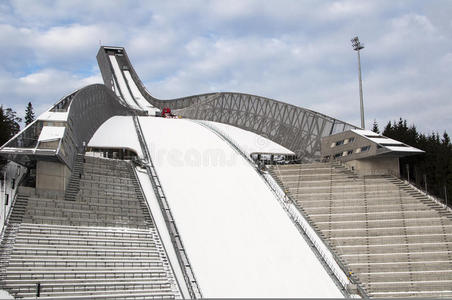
9 124
29 114
435 164
375 127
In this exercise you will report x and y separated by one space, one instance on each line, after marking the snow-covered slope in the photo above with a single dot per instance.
122 83
239 239
117 132
248 141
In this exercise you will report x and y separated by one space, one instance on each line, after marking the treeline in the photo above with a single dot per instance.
435 166
10 123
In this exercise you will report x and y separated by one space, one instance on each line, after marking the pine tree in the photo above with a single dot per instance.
435 164
375 127
9 124
29 114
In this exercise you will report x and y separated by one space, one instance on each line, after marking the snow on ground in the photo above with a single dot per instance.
161 226
117 132
53 116
249 141
240 241
5 295
142 102
51 133
122 83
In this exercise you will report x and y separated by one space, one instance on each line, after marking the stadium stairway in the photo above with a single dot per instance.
394 239
102 244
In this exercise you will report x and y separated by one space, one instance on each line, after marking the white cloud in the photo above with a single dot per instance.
294 51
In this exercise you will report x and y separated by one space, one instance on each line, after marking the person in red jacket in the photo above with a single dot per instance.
166 112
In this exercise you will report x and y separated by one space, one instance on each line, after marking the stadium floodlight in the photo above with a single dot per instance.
358 46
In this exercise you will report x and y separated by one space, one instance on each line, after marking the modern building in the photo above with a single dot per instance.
228 195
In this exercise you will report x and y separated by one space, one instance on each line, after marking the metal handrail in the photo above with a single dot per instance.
153 221
187 270
300 219
22 178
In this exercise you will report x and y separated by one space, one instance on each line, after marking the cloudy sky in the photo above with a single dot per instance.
294 51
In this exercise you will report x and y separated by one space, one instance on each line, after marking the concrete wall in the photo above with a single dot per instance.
376 166
51 176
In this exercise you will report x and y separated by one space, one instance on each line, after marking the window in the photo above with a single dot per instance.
349 140
365 148
349 152
337 155
338 143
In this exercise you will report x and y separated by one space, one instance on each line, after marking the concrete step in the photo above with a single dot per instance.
420 288
35 244
139 294
302 166
395 248
106 179
80 270
59 240
368 195
80 213
374 216
393 239
401 266
342 189
84 274
356 200
107 164
106 193
295 181
86 231
87 251
367 208
81 284
302 172
442 294
374 232
84 222
106 186
394 257
35 263
26 234
402 276
132 207
109 200
120 173
383 223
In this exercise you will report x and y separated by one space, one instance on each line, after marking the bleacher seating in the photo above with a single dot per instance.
394 239
101 243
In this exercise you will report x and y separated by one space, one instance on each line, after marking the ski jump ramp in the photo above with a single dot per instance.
225 229
240 241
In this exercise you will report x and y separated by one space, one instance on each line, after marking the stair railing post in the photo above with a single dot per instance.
425 183
408 172
445 194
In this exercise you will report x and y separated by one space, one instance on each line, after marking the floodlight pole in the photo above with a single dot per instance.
358 46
